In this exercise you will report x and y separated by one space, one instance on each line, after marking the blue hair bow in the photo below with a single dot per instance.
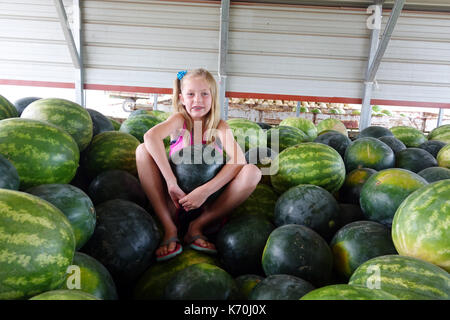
181 74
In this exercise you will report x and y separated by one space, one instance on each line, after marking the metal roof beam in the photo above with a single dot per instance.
375 64
223 51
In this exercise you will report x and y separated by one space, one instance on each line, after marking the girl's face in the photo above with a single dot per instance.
196 97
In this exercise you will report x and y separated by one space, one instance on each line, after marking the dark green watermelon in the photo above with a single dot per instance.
433 174
202 281
432 146
245 284
124 241
116 184
358 242
100 122
354 181
94 278
415 159
74 203
336 140
308 205
299 251
195 165
240 244
264 126
22 103
395 144
281 287
375 132
9 178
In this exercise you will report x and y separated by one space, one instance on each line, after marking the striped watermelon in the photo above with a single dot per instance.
248 134
308 163
111 150
347 292
332 124
421 225
284 137
441 133
404 277
153 282
9 178
41 152
384 191
369 152
37 245
161 115
68 115
138 125
65 294
7 109
307 126
410 136
443 157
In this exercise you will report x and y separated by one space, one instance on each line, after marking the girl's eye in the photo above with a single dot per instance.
205 93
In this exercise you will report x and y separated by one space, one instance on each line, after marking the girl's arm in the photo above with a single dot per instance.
153 141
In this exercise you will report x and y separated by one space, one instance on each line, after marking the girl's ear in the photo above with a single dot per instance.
180 98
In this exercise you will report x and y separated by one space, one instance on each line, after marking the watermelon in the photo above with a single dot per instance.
110 150
152 283
308 205
308 163
369 153
280 287
248 134
94 278
37 245
354 181
22 103
384 191
160 115
201 281
41 152
116 124
264 126
245 284
307 126
195 165
443 157
7 109
347 292
357 242
137 126
260 203
240 244
282 137
410 136
100 123
332 124
433 174
334 139
74 203
9 178
441 133
406 278
299 251
375 132
67 115
421 224
65 294
116 184
432 146
124 240
414 159
262 157
395 144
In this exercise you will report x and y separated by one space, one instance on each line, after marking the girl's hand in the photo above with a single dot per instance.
194 199
176 194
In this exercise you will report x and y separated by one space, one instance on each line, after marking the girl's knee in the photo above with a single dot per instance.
252 173
140 150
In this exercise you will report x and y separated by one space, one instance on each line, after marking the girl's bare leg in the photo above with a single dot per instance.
155 188
235 193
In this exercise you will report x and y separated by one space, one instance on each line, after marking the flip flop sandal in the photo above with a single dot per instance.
178 249
199 247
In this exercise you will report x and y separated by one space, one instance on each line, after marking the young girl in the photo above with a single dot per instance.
196 115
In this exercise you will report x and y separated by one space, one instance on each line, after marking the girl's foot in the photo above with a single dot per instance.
169 247
197 241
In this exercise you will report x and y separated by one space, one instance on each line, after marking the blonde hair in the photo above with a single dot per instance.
213 116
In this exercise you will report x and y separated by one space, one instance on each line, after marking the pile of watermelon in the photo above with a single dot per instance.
332 218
